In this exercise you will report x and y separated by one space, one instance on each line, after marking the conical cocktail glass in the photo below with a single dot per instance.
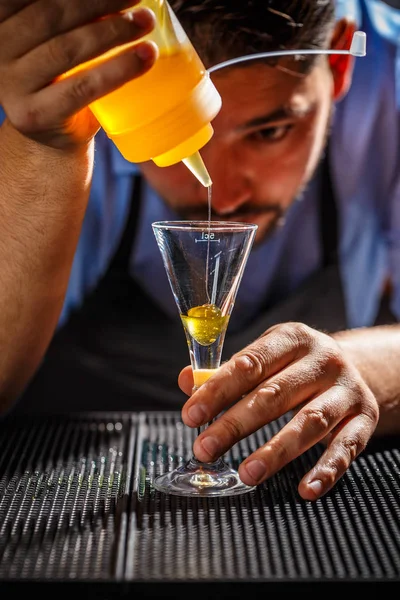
204 261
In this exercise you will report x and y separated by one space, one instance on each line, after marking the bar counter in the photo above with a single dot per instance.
79 514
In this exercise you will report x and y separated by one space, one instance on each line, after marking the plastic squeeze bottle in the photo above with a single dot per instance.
164 115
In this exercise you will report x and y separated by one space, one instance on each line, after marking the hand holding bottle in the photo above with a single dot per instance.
39 41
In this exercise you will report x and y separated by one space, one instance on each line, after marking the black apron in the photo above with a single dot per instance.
121 352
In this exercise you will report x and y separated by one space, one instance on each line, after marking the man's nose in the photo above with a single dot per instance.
231 191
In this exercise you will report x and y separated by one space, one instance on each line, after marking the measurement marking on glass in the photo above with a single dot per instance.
206 238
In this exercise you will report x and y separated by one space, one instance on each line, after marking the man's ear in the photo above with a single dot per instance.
342 64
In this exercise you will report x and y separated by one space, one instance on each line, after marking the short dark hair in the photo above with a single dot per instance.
225 29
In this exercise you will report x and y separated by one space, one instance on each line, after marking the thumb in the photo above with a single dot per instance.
185 380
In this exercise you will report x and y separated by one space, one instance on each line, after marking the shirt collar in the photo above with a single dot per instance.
385 19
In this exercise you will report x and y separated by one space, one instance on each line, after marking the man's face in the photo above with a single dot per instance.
268 140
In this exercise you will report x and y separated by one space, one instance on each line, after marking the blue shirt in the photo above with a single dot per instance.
365 166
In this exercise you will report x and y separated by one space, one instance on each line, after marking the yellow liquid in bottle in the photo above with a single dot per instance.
163 115
205 323
137 102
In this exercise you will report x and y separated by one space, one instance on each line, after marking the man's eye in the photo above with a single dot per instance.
271 134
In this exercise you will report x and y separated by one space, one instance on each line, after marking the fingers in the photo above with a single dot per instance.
48 113
291 368
313 422
271 353
251 372
8 8
70 50
337 458
186 381
58 102
295 438
51 18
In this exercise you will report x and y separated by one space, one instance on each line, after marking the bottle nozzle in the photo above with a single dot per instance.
359 44
358 48
196 165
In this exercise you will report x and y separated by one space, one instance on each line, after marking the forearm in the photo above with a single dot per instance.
43 197
376 353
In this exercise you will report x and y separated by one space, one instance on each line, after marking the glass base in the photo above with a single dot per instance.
202 480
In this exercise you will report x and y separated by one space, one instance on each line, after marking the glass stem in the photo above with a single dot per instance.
202 427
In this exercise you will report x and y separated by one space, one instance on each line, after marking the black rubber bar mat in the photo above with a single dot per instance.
77 506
